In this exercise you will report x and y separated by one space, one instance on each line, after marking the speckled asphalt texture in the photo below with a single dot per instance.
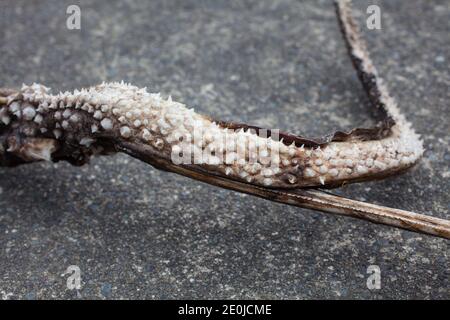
136 232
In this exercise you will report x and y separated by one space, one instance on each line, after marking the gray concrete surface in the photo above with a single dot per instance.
136 232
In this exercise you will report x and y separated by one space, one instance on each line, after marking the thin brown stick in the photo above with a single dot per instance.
308 198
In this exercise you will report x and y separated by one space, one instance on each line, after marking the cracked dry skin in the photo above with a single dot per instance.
36 125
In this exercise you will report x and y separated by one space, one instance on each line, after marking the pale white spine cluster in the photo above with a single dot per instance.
123 111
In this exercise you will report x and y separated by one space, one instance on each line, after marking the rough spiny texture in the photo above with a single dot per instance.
121 111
